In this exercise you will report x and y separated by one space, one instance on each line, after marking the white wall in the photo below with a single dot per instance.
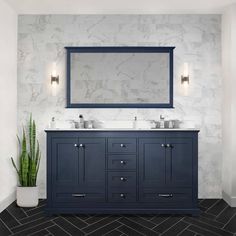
229 105
8 102
41 41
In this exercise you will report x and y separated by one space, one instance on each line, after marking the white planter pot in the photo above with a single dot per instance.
27 196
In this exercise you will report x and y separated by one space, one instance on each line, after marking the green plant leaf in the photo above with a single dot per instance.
29 158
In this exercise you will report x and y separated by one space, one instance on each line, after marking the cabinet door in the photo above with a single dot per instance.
65 161
179 158
152 163
92 163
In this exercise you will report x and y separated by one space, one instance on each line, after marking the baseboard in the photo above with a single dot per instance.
7 201
230 200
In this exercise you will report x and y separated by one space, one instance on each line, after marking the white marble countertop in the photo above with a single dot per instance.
121 129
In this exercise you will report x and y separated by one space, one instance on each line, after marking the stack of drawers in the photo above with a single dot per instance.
122 166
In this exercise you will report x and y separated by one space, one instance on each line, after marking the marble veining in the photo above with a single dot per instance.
120 78
197 38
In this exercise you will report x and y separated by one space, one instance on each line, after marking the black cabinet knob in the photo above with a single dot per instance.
169 145
122 162
123 179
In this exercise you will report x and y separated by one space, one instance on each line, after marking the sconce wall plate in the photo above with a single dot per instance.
55 79
184 79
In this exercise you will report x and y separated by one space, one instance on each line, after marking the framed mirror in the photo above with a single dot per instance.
120 77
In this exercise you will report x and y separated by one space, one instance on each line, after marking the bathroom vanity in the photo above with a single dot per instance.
122 171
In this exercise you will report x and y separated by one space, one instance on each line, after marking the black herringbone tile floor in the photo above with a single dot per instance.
216 218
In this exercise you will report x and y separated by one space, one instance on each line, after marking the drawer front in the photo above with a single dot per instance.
122 180
122 145
166 195
79 197
122 162
121 196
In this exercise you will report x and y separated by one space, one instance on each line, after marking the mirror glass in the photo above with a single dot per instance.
106 78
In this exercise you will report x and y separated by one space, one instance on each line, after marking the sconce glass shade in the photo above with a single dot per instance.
186 70
185 76
54 83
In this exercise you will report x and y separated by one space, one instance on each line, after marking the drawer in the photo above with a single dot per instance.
166 195
122 179
79 197
122 196
122 145
122 162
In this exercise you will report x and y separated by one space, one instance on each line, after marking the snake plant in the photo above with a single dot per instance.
29 158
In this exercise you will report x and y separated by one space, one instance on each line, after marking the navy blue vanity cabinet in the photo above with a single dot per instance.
77 170
122 172
179 162
166 171
152 162
165 162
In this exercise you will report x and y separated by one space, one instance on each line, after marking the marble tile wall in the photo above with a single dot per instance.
197 38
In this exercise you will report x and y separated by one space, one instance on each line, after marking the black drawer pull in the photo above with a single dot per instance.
165 195
122 195
79 195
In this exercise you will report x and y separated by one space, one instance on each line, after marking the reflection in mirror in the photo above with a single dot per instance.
106 78
119 78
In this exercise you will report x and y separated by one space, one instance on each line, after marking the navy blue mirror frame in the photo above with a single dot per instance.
121 49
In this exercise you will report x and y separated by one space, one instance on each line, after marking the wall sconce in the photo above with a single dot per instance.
54 80
185 76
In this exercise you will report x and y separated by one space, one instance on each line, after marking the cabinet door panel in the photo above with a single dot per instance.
179 161
65 161
92 162
152 163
